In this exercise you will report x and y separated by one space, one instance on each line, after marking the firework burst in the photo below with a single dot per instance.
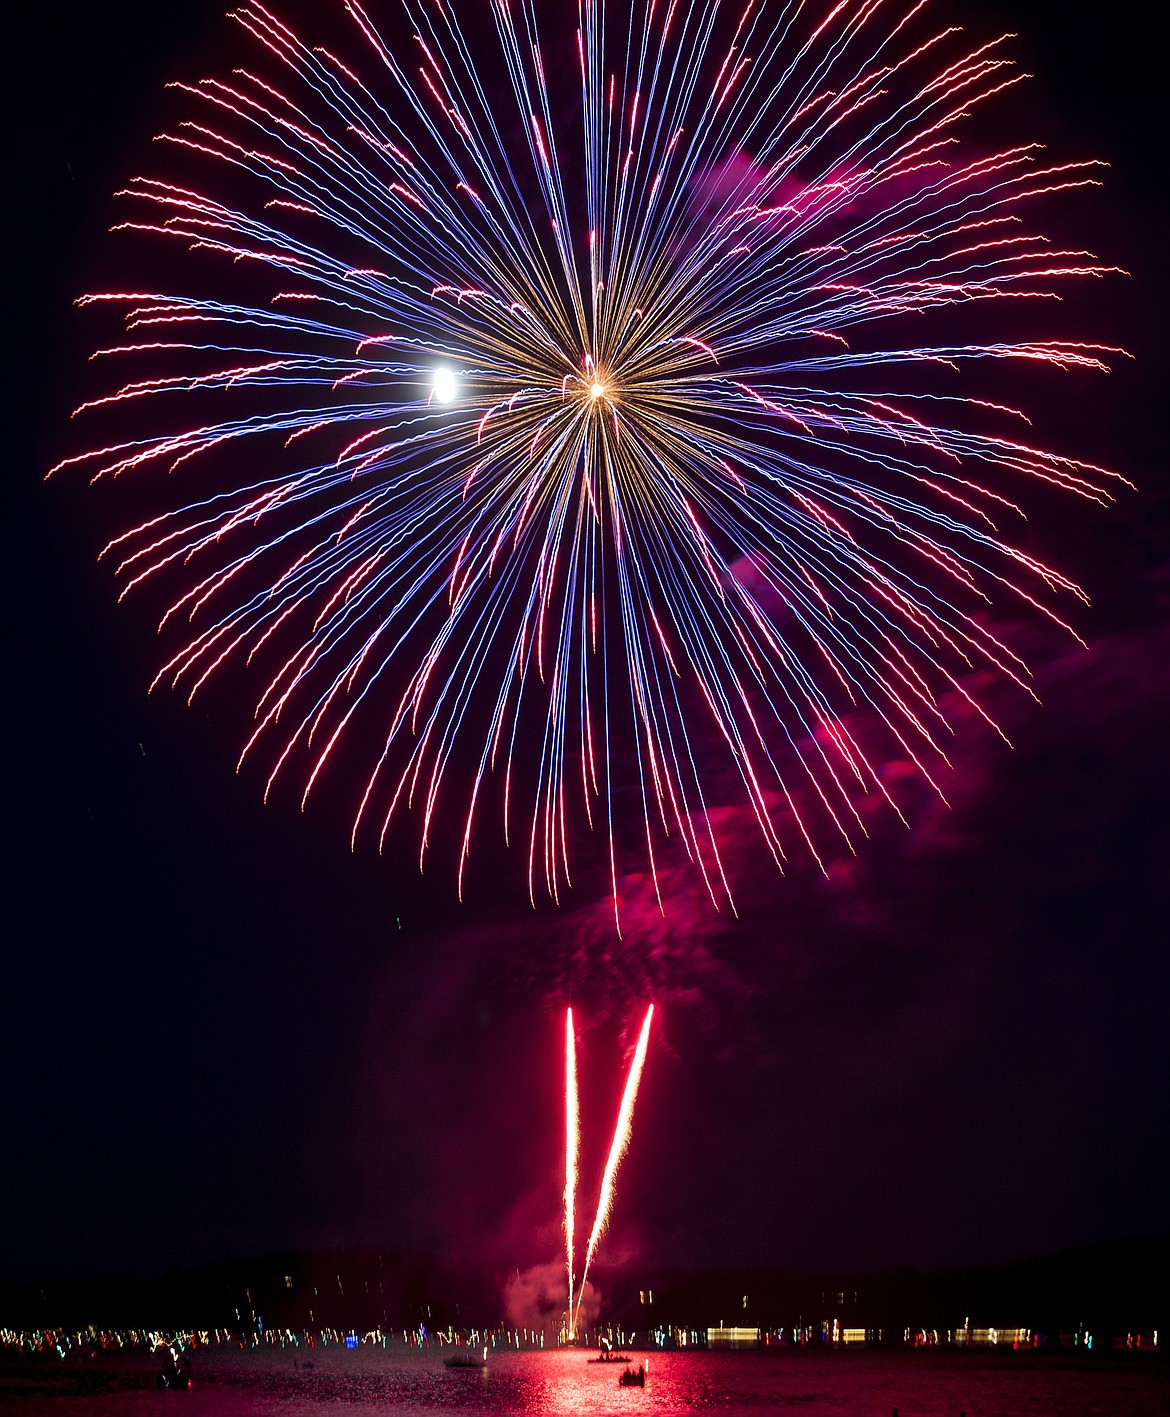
569 432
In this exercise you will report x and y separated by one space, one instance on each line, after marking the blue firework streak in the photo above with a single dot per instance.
564 458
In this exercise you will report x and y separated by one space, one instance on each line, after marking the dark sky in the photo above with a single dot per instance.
222 1033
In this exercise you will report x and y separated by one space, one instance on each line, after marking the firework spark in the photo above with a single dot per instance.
566 464
621 1140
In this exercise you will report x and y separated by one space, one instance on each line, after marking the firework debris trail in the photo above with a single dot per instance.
574 497
621 1140
572 1144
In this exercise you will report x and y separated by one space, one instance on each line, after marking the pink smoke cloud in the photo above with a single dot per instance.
537 1298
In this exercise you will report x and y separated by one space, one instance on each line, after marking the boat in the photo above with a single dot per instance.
610 1358
633 1377
466 1359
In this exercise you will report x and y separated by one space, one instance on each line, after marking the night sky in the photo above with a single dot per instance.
221 1033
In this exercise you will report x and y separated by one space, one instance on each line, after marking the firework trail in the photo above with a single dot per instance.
621 1140
579 468
572 1146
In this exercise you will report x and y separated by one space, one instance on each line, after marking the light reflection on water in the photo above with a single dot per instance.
412 1384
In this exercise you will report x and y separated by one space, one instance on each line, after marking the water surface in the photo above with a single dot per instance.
410 1383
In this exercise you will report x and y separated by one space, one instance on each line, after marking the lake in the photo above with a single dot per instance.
410 1382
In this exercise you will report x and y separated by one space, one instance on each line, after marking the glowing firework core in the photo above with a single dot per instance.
596 390
621 1140
443 386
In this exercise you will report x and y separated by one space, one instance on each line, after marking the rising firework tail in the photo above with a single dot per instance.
610 469
621 1140
572 1145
